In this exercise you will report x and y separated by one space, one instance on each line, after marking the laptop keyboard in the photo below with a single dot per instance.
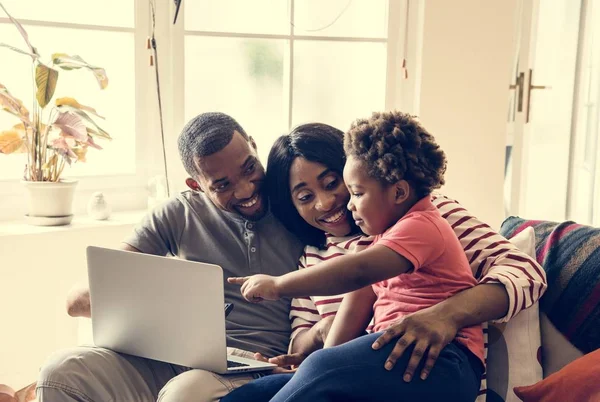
231 364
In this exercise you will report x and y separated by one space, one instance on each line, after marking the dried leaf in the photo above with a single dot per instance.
61 148
11 141
81 153
74 104
92 144
14 49
75 62
13 105
71 125
21 30
52 161
45 81
97 131
27 393
101 77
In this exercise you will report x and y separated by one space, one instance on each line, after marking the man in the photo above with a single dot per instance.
223 220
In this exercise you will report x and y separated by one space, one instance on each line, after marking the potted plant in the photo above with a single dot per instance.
55 134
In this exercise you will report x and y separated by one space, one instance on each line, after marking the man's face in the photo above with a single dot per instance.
233 178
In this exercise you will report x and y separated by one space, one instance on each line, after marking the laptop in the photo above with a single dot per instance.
163 309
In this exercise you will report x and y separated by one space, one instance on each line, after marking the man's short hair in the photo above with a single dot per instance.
204 135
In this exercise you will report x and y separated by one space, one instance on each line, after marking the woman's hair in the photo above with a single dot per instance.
315 142
395 146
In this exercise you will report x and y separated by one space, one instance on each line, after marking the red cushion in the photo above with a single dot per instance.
577 381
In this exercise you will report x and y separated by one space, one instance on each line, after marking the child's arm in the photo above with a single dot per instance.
336 276
352 318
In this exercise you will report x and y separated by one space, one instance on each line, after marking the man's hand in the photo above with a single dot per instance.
286 363
257 288
429 330
78 302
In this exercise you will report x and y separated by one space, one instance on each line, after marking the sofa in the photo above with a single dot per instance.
564 326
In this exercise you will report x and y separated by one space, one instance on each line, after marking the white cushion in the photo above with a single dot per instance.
514 349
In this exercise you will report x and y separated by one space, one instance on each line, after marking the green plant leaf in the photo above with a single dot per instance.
33 56
75 62
45 81
97 131
71 125
13 105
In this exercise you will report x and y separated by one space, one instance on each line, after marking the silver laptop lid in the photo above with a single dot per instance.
157 307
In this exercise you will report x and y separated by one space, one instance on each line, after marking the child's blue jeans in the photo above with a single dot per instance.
354 372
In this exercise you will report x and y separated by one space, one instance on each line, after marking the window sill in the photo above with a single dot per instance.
19 227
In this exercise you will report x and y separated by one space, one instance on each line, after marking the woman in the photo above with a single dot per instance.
308 163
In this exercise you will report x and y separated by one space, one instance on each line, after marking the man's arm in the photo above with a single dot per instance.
78 299
353 317
433 328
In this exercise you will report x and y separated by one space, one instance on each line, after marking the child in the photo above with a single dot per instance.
415 261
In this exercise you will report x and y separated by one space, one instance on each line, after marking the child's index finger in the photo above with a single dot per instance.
237 281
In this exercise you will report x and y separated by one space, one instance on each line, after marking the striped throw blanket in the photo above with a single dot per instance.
570 255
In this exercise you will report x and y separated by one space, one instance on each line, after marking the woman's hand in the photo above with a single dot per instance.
429 330
257 288
286 363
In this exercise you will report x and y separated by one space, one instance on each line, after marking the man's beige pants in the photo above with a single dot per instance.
90 374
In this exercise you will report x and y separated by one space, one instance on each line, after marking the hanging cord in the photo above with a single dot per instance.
406 20
328 25
160 111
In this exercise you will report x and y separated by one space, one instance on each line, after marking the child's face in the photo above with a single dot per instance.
372 203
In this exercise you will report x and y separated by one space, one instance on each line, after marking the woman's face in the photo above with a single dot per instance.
320 196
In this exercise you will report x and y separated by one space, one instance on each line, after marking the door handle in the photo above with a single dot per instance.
518 85
531 87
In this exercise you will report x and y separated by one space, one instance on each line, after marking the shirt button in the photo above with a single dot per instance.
253 249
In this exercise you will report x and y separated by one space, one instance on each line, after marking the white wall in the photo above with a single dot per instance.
466 57
36 272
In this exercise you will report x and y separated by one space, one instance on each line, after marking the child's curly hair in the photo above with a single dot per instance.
395 146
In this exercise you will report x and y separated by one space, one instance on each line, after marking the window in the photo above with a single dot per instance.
292 62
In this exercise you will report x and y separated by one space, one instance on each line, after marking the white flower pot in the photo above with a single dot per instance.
50 204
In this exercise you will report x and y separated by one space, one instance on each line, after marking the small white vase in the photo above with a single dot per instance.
50 201
97 207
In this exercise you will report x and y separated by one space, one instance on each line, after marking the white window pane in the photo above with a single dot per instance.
116 103
113 13
240 16
352 18
335 82
240 77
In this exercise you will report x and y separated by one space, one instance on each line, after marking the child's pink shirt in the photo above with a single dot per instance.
441 270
